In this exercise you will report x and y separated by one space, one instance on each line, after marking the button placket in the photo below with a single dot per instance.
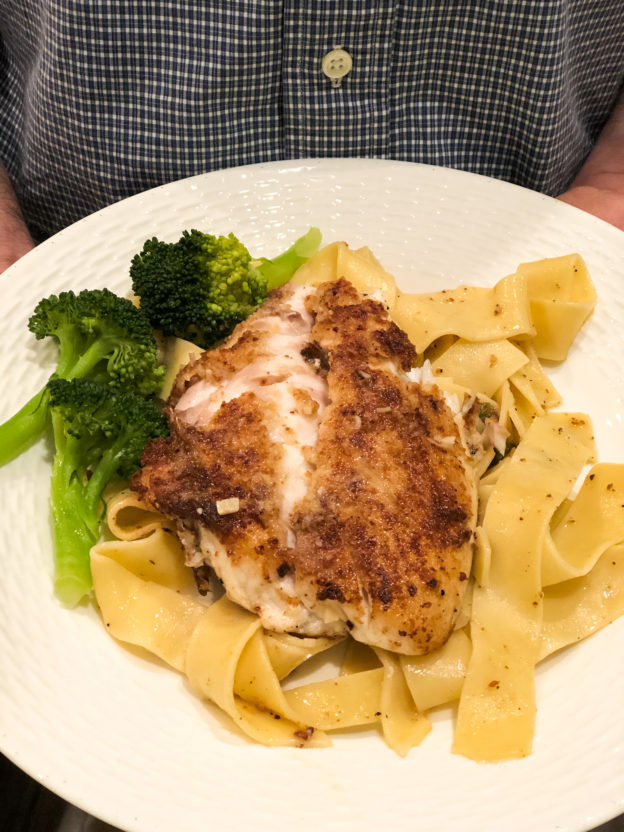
351 118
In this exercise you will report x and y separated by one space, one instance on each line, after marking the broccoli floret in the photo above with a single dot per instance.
99 433
100 336
200 287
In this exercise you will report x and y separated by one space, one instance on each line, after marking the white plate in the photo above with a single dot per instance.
122 737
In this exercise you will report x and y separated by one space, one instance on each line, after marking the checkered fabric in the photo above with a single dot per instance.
100 99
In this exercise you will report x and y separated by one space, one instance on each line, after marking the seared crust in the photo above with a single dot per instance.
186 474
385 529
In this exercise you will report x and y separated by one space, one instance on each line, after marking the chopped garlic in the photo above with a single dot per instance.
229 506
497 435
422 375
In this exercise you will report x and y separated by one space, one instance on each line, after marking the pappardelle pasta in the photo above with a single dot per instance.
548 568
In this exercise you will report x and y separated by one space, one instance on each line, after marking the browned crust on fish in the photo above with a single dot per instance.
386 526
187 474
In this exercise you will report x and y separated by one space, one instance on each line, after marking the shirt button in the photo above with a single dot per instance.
336 64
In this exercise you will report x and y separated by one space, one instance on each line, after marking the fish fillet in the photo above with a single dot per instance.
328 487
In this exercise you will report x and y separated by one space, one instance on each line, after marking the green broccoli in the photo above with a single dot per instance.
99 433
100 336
200 287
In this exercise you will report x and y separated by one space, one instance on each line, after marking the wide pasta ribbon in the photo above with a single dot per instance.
478 314
360 267
588 526
482 366
577 608
561 297
403 726
227 663
437 678
139 611
147 598
497 705
572 610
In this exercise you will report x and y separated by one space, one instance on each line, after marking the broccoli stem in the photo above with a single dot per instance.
75 530
280 269
76 514
90 358
71 346
72 546
25 427
100 477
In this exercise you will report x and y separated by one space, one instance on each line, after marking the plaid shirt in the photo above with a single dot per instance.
100 99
